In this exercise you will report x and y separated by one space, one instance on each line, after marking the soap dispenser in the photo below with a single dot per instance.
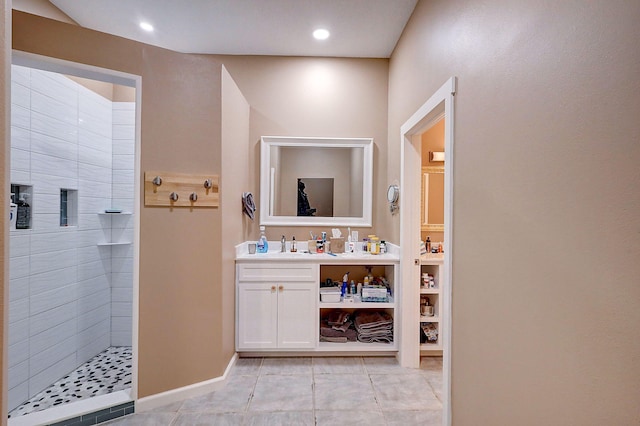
263 245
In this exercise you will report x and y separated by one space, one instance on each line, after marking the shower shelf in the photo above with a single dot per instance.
123 243
115 214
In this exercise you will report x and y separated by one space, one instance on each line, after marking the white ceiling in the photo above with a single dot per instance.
359 28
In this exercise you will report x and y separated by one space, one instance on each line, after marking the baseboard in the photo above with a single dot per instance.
164 398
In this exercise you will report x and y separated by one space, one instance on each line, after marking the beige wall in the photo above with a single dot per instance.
5 143
330 97
180 322
546 325
234 181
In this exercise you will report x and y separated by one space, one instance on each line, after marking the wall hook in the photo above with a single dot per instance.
173 196
193 197
157 181
208 184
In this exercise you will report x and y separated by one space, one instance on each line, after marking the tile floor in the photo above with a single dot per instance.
312 391
107 372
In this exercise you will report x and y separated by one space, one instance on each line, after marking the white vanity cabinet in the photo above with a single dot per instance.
274 301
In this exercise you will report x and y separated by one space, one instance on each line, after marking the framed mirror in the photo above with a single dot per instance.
316 181
432 206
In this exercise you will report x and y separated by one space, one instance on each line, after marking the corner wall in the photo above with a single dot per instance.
545 210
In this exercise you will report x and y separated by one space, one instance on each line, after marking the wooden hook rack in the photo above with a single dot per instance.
180 190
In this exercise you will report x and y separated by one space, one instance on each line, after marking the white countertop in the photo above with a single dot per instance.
274 254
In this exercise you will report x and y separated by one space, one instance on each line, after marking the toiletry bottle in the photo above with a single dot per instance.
283 244
293 245
13 211
428 244
359 289
352 287
263 245
383 247
23 216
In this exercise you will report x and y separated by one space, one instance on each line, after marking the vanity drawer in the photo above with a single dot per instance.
286 272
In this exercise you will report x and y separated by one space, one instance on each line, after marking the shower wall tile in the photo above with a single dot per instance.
124 116
88 335
19 311
92 204
124 132
54 166
50 280
93 286
21 75
53 335
18 353
121 309
53 147
49 84
122 190
17 395
20 95
91 305
90 253
50 319
20 159
123 147
18 374
94 348
122 162
94 189
94 156
90 221
41 380
121 295
89 172
50 356
47 125
95 141
121 338
95 124
121 280
18 289
53 260
54 108
22 177
48 184
45 203
93 317
47 300
19 244
19 267
89 237
20 117
45 222
19 331
20 138
93 269
58 241
122 264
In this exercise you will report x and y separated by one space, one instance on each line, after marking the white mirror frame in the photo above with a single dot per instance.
266 194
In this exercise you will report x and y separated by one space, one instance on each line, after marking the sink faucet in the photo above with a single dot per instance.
283 248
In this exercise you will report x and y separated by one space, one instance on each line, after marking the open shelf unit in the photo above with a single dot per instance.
433 267
357 274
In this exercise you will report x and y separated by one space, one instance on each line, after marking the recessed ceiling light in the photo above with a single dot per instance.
321 34
146 26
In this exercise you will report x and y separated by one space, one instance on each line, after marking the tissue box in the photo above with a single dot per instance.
330 294
337 244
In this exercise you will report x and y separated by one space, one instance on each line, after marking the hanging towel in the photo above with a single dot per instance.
248 206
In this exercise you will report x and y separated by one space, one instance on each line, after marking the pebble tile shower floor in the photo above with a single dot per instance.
107 372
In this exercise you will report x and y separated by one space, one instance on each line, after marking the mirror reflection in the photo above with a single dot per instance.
316 181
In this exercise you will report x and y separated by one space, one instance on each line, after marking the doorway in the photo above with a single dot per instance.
438 107
74 255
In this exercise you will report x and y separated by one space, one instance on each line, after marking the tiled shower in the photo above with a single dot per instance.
70 294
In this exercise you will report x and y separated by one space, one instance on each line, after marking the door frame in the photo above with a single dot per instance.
125 79
439 105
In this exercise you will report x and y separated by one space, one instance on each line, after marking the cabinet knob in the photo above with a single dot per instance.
281 288
273 288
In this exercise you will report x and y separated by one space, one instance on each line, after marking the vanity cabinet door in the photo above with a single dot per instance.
296 315
257 315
